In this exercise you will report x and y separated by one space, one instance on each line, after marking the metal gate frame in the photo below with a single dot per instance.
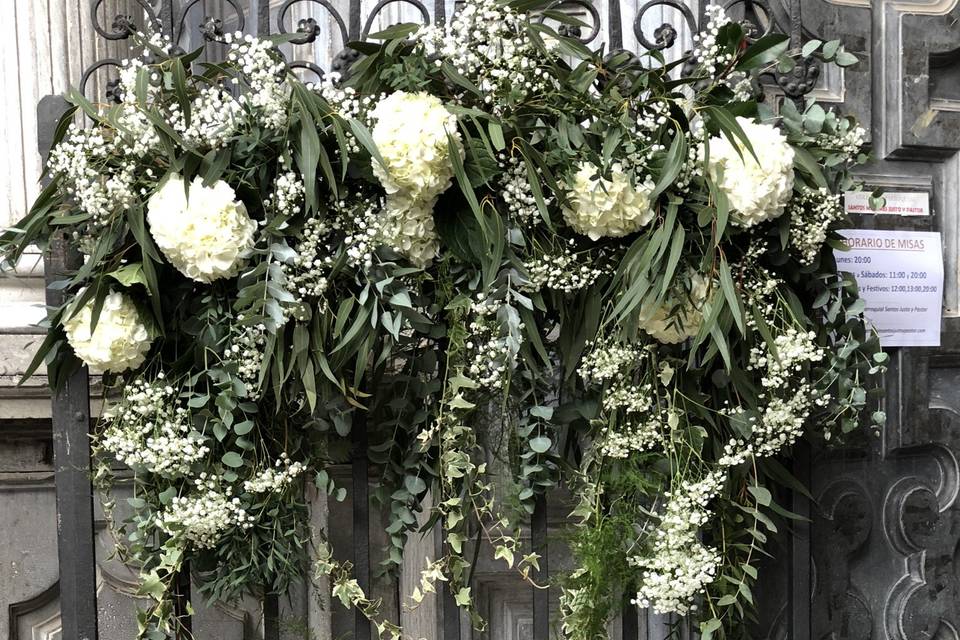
71 419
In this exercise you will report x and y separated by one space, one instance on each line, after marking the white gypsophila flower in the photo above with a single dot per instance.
706 52
80 160
631 436
246 349
565 271
517 193
276 478
811 213
496 335
205 234
265 73
610 362
601 207
757 188
488 42
215 117
681 314
678 566
150 430
412 132
119 341
407 226
203 516
137 135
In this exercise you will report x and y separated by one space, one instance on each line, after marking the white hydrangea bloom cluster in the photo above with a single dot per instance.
119 341
246 349
207 234
757 190
80 162
205 514
487 42
493 348
215 117
681 314
521 204
706 52
565 271
150 429
811 213
601 207
679 567
265 72
408 227
276 478
412 132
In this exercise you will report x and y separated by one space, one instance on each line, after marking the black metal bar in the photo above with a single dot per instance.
166 17
71 445
449 623
799 578
541 593
796 24
353 21
263 18
615 25
271 616
629 628
361 521
450 614
181 603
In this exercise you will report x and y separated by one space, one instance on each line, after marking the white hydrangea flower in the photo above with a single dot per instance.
675 319
408 227
608 208
411 133
757 191
119 341
205 234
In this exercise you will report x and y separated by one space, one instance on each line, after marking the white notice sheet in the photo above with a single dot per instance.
900 276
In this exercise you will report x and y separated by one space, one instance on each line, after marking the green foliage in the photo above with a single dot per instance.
482 379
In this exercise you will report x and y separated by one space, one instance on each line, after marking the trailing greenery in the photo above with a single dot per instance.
513 262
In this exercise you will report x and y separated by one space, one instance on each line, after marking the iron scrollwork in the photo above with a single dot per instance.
171 17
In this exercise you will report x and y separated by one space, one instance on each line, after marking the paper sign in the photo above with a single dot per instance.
900 276
897 203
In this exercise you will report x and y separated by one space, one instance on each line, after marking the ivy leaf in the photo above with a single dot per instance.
129 275
463 597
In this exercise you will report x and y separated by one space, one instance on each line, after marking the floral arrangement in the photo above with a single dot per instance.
625 272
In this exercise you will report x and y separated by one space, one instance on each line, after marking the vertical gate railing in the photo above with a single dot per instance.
71 406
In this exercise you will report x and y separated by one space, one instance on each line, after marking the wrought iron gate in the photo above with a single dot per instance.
904 486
